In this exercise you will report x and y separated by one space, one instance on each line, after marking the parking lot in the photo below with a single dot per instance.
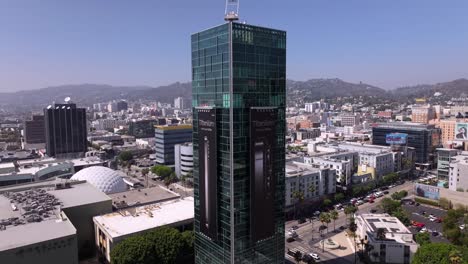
415 213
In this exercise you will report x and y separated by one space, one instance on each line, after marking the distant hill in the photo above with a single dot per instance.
298 92
87 94
447 91
316 89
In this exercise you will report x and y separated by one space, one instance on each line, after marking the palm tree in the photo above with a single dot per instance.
455 257
353 228
299 197
325 218
381 233
334 216
349 211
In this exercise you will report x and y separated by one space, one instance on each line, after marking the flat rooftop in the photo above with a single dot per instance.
79 193
142 197
395 230
137 219
31 216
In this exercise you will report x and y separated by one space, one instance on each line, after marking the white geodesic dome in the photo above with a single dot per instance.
105 179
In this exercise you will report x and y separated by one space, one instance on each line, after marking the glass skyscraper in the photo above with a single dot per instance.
239 90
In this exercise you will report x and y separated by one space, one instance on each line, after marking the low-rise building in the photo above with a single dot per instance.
388 240
110 229
309 181
183 156
458 172
49 222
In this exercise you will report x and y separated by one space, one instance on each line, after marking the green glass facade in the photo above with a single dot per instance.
236 67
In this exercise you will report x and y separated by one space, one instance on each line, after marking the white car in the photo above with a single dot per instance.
462 227
314 256
423 230
292 234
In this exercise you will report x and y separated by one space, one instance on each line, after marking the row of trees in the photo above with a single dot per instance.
163 245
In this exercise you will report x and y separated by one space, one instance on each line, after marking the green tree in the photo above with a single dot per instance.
125 156
390 178
350 211
334 216
327 202
162 171
339 197
422 238
389 206
399 195
135 249
298 256
455 257
163 245
433 253
325 218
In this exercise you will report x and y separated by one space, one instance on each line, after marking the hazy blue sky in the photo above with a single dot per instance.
387 43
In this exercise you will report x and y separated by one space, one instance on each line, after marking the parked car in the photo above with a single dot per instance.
294 227
418 224
462 227
386 192
301 221
373 211
314 256
289 240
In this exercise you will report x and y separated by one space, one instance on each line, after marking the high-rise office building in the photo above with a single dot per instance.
122 106
423 138
239 95
65 129
166 138
34 131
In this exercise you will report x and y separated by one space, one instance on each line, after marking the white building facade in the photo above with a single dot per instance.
183 157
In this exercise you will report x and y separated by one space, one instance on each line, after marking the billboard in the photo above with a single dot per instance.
396 138
262 178
461 131
207 173
426 191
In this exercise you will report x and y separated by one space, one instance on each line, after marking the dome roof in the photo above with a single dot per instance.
103 178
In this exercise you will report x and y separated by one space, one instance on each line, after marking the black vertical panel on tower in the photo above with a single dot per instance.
262 180
207 174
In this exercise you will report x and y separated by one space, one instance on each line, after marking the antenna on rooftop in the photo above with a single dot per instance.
231 12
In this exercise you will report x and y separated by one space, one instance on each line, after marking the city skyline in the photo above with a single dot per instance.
383 44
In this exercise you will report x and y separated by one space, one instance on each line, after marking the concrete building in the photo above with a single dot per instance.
423 138
179 103
166 138
444 156
110 229
343 167
121 106
108 124
422 114
183 155
65 130
312 182
350 120
34 130
303 134
398 245
32 170
52 218
458 173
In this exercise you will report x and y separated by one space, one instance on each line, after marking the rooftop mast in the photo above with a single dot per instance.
232 10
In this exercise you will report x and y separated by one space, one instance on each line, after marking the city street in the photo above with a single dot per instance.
309 234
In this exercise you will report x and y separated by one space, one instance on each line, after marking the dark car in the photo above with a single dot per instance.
435 233
384 188
417 204
294 227
386 192
301 221
289 240
373 211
